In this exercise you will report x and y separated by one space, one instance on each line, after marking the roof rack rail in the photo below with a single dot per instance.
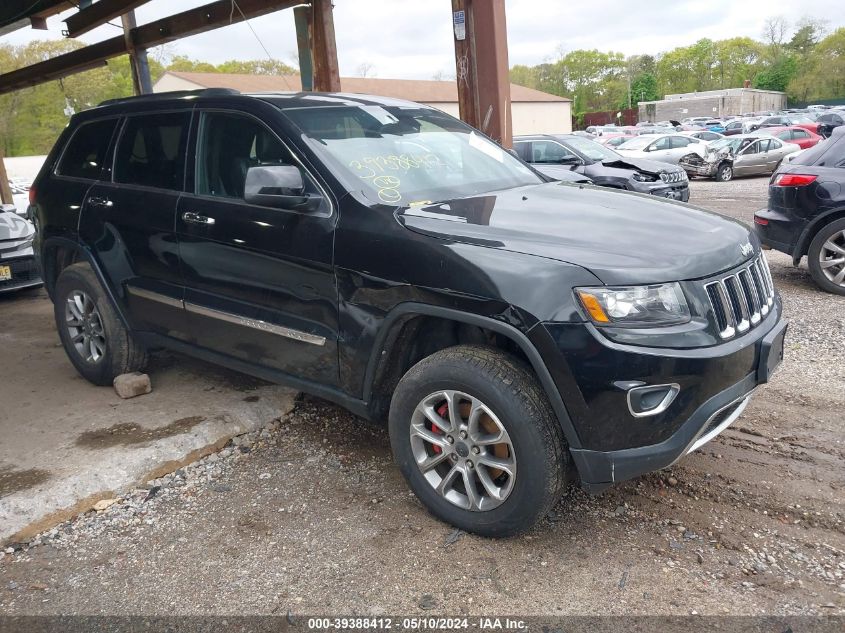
176 94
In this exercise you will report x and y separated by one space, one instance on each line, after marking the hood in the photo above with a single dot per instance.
14 227
622 238
651 167
562 173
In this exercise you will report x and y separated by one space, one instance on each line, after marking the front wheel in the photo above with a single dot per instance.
826 257
477 441
725 172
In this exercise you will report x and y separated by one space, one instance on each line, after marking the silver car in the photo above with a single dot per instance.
742 155
17 260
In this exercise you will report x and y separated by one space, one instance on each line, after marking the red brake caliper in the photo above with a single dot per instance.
442 411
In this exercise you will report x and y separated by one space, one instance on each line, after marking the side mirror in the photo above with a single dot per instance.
279 186
570 160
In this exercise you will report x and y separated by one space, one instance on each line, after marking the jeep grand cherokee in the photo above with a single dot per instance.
381 254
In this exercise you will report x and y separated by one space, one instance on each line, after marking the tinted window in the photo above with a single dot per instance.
549 152
151 151
86 152
229 145
800 134
826 154
523 150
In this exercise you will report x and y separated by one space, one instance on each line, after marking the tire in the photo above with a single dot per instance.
725 172
832 277
512 400
115 351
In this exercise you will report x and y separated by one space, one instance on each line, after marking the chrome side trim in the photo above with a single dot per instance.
155 296
256 324
701 441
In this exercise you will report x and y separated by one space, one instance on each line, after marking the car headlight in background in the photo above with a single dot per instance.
658 304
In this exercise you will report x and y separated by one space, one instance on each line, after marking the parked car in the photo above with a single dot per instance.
796 135
743 155
584 134
665 148
733 127
384 255
554 155
780 120
829 121
18 268
614 140
20 196
703 135
806 212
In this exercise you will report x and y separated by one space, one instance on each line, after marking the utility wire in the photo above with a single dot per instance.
231 15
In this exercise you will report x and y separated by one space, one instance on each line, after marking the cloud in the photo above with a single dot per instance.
413 39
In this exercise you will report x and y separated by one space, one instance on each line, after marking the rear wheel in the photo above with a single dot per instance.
725 172
477 441
95 339
826 257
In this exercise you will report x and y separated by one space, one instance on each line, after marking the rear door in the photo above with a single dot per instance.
129 221
260 284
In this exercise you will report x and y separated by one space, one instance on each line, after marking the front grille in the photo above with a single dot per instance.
741 300
673 176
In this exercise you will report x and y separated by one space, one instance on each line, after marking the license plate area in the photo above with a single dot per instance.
771 352
5 273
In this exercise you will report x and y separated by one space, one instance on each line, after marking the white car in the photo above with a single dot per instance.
20 196
703 135
665 148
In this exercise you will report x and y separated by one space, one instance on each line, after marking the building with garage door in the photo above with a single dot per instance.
532 111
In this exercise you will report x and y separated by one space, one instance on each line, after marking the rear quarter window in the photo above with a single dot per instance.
85 153
825 154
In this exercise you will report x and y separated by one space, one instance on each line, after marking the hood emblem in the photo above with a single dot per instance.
746 249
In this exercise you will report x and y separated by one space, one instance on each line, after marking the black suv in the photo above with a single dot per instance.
381 254
806 211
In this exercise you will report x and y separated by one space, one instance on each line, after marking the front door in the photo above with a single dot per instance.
751 160
260 285
130 221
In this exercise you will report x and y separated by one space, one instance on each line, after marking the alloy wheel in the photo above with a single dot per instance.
85 326
463 450
832 258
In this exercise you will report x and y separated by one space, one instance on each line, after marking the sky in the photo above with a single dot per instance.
412 39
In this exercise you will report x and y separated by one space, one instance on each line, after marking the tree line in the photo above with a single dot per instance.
31 119
805 61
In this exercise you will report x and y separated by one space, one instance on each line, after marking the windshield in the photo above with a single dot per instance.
408 155
591 149
732 143
641 142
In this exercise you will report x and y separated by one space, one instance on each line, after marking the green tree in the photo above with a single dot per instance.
643 88
778 75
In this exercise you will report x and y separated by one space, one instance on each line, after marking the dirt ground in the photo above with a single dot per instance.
314 518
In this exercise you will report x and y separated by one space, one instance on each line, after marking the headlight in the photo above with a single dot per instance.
643 177
659 304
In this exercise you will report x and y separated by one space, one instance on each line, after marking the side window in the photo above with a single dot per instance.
664 143
753 148
800 134
86 152
523 150
680 141
229 145
549 152
151 151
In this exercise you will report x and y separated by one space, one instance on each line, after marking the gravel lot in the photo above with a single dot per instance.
310 516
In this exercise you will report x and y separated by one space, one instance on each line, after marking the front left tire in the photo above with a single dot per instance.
477 441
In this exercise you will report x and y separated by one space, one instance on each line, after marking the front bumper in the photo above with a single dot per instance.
715 385
25 274
675 191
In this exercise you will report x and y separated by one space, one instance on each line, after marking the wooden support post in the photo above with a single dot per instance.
324 47
481 62
302 20
141 80
5 189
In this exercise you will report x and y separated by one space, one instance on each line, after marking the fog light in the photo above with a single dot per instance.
651 399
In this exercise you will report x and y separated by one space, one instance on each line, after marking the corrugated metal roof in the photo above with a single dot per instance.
424 91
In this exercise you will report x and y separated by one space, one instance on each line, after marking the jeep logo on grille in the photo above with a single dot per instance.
746 249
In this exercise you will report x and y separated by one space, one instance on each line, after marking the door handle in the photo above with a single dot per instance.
196 218
96 201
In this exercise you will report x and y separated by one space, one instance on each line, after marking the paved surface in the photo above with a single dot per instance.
314 518
68 444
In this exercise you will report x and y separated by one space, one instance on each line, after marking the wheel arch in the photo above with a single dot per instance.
388 350
57 253
802 246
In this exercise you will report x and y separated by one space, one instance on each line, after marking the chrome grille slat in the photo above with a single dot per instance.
741 299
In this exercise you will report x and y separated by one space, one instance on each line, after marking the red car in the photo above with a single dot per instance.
794 134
